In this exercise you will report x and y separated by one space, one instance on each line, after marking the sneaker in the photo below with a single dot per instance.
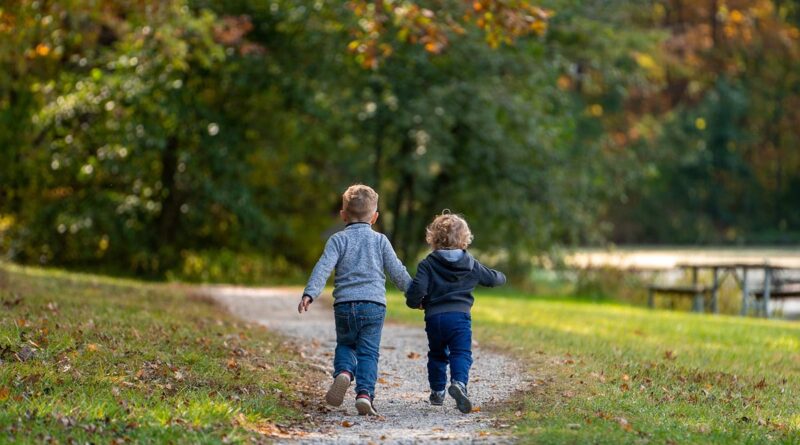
336 392
364 405
437 398
458 391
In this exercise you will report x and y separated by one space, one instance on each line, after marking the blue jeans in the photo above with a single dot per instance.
449 342
358 341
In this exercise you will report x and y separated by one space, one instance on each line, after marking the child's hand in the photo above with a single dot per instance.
304 303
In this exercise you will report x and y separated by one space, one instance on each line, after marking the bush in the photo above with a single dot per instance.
225 266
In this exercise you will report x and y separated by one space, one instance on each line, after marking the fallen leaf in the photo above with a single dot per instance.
4 391
232 364
413 355
669 355
91 347
347 423
25 354
623 422
624 387
382 380
625 377
476 409
761 384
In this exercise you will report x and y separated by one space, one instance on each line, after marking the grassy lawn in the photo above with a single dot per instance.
88 359
616 374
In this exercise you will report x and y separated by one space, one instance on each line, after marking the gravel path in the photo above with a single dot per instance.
406 417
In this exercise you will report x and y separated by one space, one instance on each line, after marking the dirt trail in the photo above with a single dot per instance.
406 417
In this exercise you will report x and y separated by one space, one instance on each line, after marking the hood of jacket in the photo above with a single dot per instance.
452 270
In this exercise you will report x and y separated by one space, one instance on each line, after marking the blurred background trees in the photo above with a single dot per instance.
211 139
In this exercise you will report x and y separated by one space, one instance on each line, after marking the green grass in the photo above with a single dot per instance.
608 373
90 359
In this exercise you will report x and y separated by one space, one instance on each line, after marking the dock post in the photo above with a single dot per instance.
715 292
767 290
698 296
745 291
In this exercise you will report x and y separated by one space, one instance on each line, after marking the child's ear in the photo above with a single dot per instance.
343 215
374 218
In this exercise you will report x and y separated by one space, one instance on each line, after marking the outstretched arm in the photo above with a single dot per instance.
322 270
395 268
418 289
489 277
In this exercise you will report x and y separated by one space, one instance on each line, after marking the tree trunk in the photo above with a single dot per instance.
167 223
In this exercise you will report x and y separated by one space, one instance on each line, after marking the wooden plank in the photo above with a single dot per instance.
778 294
688 290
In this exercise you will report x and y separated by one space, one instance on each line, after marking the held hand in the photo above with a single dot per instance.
304 303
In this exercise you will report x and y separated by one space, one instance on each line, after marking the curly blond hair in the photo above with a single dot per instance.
359 202
448 231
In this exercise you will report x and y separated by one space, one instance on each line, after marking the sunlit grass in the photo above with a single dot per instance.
95 359
611 373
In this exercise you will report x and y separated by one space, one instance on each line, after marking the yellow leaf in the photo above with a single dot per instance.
700 123
539 27
42 50
4 391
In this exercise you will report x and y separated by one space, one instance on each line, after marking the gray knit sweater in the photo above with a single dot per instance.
359 255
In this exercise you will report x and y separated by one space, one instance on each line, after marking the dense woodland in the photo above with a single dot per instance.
211 139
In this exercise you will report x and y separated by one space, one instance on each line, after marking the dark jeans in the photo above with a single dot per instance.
449 341
358 341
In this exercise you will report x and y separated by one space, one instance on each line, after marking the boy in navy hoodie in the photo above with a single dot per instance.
443 288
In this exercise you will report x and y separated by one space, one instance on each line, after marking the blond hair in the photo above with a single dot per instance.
448 231
359 202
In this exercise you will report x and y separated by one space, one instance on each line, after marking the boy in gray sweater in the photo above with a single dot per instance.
359 255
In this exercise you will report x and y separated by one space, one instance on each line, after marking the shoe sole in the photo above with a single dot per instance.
462 401
364 408
338 389
437 403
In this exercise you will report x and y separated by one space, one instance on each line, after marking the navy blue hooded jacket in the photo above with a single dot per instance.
445 283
